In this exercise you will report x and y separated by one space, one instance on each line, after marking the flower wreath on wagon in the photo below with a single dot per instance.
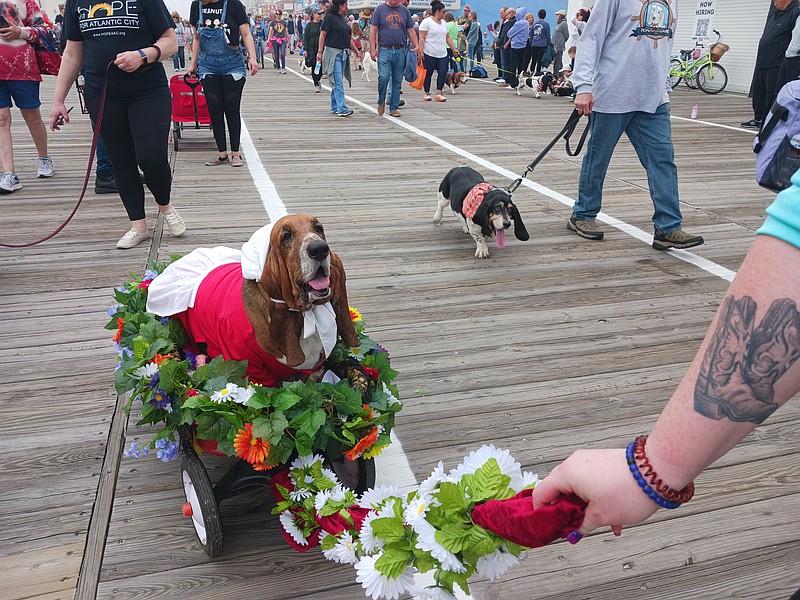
476 519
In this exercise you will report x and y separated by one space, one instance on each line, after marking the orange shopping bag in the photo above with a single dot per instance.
421 73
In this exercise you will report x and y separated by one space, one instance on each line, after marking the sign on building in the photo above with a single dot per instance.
703 20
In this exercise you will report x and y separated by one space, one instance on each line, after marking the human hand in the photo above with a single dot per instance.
10 33
374 54
129 61
58 115
584 103
603 480
252 65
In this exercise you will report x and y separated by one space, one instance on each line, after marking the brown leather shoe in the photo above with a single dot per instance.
395 113
381 109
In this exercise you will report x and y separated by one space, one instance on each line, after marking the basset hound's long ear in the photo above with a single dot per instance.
341 307
276 279
519 227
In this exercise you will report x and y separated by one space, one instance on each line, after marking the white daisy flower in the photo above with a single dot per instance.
242 394
378 585
418 508
392 398
369 542
308 479
426 541
289 523
331 475
336 495
146 371
434 479
477 458
299 494
305 462
226 394
528 480
344 552
375 497
495 564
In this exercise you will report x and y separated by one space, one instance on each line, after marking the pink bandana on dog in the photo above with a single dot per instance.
474 199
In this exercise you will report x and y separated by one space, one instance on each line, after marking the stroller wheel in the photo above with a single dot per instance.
201 504
358 475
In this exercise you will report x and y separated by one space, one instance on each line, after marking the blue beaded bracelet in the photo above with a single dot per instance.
651 493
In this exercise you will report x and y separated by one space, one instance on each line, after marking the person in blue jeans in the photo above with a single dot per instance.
259 31
335 43
633 101
390 29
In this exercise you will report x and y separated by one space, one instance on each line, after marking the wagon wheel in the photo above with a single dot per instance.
201 504
176 136
358 475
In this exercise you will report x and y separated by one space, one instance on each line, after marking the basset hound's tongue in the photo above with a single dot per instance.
320 282
500 238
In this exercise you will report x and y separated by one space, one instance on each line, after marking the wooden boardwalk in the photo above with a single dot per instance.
546 346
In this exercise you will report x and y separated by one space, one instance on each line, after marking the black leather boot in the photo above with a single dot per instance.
105 185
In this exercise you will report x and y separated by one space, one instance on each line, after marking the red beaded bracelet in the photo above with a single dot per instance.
661 488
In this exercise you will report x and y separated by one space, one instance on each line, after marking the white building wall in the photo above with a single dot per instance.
739 21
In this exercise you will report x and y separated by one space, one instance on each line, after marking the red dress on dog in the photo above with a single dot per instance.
218 320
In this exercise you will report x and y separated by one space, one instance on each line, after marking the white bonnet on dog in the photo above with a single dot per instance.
254 253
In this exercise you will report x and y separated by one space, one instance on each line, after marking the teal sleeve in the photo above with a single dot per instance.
783 215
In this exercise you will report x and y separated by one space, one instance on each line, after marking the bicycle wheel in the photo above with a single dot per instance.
201 504
675 70
691 81
712 78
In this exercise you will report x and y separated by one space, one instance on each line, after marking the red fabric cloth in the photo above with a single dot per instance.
282 478
515 520
473 200
335 524
17 58
218 319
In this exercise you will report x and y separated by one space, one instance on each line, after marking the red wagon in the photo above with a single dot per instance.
189 108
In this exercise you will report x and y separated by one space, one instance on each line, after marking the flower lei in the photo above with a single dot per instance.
387 535
351 417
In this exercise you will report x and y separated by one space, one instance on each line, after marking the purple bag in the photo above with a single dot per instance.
778 143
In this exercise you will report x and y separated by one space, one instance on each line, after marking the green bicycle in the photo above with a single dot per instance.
703 71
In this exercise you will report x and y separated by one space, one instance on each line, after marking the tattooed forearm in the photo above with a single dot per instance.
744 361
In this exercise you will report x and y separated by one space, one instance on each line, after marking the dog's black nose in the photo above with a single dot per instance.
318 250
506 224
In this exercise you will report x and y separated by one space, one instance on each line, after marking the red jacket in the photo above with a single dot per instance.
17 58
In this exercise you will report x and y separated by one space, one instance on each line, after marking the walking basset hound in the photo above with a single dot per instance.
278 304
485 211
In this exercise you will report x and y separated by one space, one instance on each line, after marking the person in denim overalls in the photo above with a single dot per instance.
217 60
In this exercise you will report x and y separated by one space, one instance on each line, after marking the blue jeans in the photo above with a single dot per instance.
391 64
260 47
105 169
337 87
651 137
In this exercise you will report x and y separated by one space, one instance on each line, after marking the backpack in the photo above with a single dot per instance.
777 145
478 72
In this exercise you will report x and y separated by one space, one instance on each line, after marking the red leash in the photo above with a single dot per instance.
88 171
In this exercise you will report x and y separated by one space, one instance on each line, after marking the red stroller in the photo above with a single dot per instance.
188 107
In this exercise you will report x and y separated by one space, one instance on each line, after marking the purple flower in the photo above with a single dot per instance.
166 450
160 399
154 380
191 358
123 289
135 452
114 310
164 320
150 274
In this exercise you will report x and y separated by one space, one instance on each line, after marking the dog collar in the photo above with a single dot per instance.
322 319
474 199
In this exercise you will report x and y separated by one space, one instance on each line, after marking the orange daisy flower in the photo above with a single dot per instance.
362 444
120 325
253 450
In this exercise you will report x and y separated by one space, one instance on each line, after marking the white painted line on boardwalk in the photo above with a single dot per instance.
393 460
266 189
698 121
684 255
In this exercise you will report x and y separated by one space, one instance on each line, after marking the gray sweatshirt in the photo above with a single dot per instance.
623 57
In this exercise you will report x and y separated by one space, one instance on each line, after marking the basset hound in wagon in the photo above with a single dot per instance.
278 304
485 211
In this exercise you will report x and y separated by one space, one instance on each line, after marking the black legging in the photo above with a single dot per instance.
439 65
537 54
224 98
135 132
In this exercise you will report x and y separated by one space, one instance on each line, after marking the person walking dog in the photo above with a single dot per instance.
390 29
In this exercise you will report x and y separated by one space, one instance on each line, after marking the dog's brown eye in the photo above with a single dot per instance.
319 229
286 236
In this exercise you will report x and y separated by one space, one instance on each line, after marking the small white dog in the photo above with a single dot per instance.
369 66
303 67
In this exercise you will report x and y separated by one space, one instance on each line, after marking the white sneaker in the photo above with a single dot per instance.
131 239
9 182
45 167
175 223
